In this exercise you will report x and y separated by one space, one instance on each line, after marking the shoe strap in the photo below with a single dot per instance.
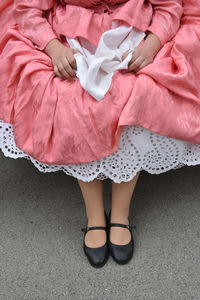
130 227
86 229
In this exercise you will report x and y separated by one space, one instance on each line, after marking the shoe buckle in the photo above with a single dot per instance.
130 227
85 229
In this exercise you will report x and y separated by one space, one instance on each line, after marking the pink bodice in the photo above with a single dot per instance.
88 3
162 17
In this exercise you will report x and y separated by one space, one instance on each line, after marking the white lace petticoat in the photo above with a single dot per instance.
139 149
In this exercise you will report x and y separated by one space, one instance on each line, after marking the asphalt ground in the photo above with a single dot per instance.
41 254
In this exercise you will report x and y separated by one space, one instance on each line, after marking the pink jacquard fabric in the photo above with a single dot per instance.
56 121
89 19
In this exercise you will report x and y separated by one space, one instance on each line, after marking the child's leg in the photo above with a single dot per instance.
121 198
93 197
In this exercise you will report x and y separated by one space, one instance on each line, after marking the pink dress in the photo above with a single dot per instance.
56 123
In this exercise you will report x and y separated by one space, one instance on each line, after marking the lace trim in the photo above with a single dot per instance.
139 149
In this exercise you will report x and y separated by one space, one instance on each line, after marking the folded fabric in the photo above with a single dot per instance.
96 65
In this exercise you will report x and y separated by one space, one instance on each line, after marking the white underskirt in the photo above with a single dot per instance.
139 149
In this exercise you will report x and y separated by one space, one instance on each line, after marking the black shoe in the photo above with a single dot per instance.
122 254
97 257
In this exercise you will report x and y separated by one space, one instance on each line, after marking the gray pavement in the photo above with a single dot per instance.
41 253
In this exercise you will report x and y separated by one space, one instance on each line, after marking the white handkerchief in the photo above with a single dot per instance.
96 66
